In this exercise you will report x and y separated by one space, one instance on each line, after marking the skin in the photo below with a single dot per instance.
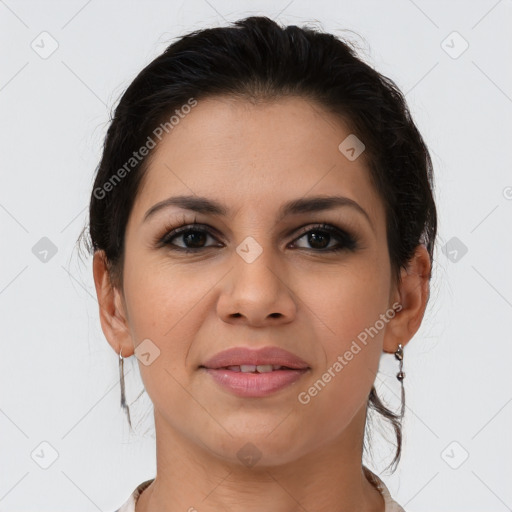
253 158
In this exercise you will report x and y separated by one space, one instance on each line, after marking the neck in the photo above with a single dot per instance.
328 478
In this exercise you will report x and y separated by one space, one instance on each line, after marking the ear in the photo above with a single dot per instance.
412 293
113 316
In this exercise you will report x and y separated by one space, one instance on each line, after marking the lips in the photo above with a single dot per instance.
254 385
261 360
255 373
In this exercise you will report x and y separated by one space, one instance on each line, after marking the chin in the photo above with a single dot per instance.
259 450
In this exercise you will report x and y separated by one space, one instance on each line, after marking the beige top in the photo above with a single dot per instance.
390 504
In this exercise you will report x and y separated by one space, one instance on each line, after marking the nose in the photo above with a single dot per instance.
257 292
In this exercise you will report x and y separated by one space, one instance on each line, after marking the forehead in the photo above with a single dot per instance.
256 156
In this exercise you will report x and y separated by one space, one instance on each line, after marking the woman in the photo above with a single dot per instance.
263 226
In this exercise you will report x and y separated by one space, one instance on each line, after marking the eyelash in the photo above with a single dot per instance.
348 241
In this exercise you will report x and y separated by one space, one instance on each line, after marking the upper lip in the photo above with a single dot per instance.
237 356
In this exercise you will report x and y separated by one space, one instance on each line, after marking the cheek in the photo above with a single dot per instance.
351 333
162 298
346 302
163 307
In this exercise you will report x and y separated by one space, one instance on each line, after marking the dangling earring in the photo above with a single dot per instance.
399 354
121 379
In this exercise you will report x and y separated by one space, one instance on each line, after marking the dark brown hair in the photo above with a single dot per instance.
256 59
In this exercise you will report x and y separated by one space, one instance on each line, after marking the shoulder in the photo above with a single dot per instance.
390 504
129 504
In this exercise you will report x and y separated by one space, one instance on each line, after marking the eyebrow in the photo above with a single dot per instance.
294 207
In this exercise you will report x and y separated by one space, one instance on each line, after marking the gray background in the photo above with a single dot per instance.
59 377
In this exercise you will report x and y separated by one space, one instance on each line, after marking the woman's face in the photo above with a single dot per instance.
262 275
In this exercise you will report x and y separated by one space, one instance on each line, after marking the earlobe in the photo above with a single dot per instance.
413 292
112 315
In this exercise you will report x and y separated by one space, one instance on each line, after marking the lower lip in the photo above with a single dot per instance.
254 384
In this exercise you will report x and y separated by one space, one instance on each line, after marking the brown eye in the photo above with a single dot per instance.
320 238
191 238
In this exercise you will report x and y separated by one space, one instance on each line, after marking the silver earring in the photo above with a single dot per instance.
399 354
121 379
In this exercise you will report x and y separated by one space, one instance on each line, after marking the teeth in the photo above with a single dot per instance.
264 368
251 368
